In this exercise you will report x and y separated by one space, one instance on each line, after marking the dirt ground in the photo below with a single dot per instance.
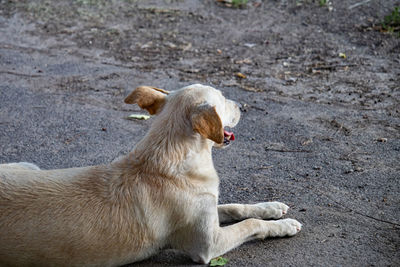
319 85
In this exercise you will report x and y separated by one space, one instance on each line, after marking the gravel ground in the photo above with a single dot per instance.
319 85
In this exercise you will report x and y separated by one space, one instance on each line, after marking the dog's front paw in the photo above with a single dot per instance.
289 227
272 210
280 228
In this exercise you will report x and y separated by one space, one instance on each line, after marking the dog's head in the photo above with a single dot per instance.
195 109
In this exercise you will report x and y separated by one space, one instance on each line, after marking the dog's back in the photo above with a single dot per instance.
65 217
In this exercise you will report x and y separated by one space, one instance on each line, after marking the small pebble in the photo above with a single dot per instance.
358 169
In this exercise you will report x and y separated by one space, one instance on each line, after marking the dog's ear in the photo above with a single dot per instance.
206 122
150 98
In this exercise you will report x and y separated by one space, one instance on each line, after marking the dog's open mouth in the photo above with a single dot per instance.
228 137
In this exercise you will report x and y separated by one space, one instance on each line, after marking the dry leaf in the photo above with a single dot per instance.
240 75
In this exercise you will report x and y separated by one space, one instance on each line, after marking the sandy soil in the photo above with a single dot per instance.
320 130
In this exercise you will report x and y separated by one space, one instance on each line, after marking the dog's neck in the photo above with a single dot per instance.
175 153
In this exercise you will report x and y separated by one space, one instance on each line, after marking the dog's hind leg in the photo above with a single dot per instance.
236 212
20 166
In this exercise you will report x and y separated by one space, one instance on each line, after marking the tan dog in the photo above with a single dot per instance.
164 193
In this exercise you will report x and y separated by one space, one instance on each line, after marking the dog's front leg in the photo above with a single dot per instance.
236 212
205 239
219 240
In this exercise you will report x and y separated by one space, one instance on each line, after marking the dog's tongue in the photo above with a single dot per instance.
229 135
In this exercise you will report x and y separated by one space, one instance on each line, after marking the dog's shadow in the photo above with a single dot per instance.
168 257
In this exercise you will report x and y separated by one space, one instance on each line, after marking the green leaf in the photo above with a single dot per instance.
220 261
138 117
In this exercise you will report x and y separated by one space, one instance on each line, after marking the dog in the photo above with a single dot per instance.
162 194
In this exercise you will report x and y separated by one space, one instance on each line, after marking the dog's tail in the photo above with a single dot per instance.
20 166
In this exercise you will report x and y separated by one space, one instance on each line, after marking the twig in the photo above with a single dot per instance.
351 210
20 74
257 108
322 194
359 4
340 128
288 150
346 157
376 219
359 213
332 67
250 88
117 65
265 167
